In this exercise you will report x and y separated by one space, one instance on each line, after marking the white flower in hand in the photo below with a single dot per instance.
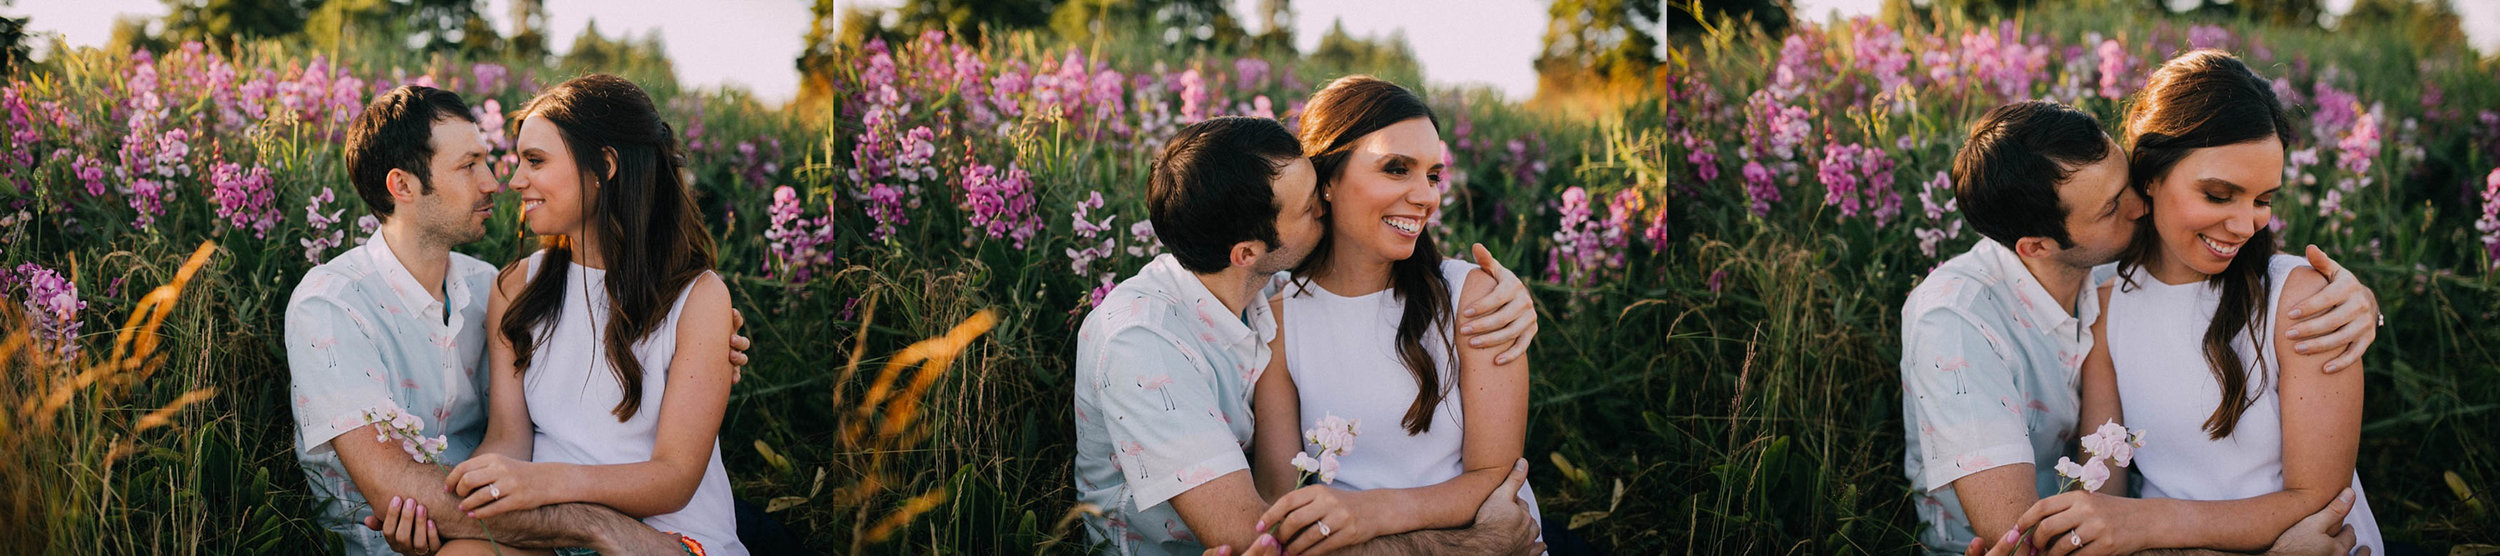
2115 442
2092 473
1305 463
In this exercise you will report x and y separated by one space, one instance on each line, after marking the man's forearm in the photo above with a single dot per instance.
554 526
1480 539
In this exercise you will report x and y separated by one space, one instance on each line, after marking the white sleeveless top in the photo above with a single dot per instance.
2156 342
572 390
1342 352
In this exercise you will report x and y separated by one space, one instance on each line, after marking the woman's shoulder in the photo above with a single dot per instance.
707 289
514 275
1465 278
2293 277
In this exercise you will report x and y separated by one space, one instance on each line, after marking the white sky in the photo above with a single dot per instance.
752 43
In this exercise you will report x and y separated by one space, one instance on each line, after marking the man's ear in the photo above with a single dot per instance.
1246 254
2036 247
402 185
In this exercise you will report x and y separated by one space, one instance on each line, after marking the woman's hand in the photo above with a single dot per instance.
1317 519
2086 523
491 484
406 528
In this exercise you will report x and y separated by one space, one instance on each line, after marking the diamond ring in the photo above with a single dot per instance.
1323 528
491 490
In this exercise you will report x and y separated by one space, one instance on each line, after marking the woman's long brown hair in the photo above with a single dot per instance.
2199 100
655 243
1341 113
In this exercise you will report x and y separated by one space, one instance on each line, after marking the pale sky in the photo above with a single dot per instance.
752 43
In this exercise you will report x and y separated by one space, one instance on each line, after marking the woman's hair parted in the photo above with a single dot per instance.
1340 114
640 209
2205 99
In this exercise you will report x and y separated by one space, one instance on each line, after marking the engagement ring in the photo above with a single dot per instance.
2074 540
1323 528
495 492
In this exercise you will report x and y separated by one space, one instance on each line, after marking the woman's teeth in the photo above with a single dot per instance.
1409 225
2219 248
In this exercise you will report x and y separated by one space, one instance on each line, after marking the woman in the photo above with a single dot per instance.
2191 316
1367 320
610 373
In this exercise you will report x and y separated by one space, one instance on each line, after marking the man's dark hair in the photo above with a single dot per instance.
2006 176
397 132
1213 187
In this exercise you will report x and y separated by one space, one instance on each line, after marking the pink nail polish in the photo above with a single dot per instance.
1262 526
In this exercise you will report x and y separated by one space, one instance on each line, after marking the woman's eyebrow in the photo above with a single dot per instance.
2210 182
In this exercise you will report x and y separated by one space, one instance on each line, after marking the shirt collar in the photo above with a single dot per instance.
2042 307
1247 332
403 282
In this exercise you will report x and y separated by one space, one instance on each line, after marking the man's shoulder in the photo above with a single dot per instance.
1135 303
332 281
476 272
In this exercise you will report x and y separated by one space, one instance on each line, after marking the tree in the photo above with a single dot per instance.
1606 39
643 60
1275 25
1182 24
1390 58
13 50
529 29
221 22
2428 22
969 19
432 25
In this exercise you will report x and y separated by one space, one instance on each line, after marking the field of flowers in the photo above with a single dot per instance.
1720 268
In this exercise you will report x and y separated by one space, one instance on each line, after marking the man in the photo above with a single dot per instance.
1165 363
396 325
1994 339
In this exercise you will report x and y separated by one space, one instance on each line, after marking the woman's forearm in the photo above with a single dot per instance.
2243 525
641 490
1445 505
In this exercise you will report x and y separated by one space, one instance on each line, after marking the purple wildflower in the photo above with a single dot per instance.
1759 191
2489 224
51 303
322 230
798 242
244 198
1001 202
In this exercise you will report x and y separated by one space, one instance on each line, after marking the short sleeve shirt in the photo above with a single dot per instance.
361 334
1163 377
1989 369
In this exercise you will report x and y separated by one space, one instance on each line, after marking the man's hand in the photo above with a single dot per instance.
737 345
2321 533
1508 314
1504 509
2343 316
